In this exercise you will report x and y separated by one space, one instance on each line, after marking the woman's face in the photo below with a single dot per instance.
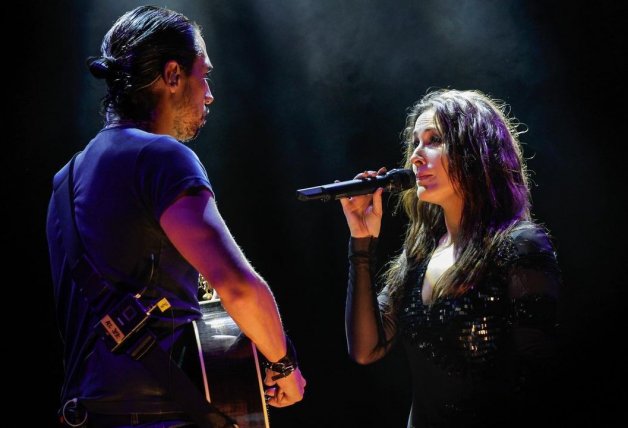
431 165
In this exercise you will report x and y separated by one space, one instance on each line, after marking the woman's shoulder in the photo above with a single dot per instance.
528 238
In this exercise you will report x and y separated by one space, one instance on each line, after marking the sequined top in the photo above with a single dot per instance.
474 359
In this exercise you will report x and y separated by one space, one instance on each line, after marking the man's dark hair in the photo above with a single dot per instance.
134 53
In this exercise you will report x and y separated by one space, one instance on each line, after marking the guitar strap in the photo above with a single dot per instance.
139 342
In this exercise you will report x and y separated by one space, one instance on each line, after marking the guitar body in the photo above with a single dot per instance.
231 375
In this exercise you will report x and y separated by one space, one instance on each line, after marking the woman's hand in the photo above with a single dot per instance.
364 212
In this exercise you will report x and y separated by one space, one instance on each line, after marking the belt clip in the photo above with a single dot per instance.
73 414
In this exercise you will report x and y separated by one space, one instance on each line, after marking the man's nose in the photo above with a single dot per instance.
209 97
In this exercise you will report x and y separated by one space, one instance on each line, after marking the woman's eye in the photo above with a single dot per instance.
435 140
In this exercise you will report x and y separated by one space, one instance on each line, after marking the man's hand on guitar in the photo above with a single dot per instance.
286 390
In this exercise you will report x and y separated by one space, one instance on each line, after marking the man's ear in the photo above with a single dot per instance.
172 74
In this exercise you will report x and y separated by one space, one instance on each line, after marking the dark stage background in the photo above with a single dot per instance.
311 91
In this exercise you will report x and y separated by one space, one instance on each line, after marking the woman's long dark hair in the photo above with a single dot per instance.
134 53
487 168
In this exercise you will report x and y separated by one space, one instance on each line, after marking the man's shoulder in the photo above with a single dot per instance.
139 137
145 144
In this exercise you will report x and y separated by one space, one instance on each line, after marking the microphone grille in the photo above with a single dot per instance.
402 179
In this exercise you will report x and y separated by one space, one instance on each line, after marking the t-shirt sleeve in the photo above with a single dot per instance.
165 169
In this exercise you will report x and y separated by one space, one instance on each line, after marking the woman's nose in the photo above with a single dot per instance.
417 157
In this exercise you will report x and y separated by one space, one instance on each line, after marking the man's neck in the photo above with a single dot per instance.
145 126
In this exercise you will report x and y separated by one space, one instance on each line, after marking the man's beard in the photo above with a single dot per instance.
187 131
184 128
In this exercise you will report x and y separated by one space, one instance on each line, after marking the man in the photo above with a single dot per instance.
147 218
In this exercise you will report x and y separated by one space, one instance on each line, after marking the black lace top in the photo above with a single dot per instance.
478 359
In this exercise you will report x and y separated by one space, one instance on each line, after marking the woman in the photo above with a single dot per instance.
472 296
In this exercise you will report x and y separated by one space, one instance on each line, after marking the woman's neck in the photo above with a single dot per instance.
453 216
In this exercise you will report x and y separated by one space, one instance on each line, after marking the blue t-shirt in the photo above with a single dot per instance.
123 182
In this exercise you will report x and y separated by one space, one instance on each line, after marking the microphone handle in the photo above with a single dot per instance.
326 192
355 187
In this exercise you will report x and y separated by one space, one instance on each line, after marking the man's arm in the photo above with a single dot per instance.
196 228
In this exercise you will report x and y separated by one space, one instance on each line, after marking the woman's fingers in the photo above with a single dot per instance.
370 173
377 202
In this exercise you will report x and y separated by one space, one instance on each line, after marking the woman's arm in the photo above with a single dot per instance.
369 328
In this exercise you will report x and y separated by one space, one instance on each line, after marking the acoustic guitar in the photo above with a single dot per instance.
230 370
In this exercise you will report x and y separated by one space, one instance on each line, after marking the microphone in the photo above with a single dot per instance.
394 180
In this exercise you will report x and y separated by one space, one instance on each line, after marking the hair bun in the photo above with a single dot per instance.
99 66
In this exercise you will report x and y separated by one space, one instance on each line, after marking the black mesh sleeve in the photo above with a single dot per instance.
369 329
534 279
